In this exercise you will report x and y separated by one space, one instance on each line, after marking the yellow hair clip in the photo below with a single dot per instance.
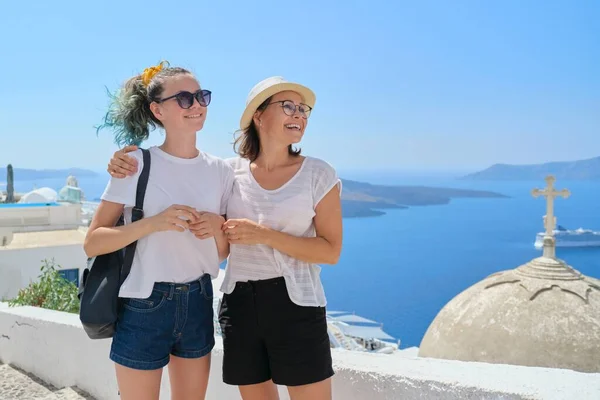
149 73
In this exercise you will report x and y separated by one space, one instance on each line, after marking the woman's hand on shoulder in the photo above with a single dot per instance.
122 165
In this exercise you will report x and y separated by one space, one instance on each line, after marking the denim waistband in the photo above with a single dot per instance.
171 287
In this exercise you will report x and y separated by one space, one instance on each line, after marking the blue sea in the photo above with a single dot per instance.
400 269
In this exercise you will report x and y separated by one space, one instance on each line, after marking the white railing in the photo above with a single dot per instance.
53 346
25 219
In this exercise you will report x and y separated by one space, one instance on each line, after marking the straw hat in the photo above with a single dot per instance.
269 87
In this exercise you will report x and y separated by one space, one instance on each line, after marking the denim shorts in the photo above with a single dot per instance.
176 319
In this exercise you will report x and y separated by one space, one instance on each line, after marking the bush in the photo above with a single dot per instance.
52 291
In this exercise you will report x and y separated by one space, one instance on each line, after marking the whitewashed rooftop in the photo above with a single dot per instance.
64 237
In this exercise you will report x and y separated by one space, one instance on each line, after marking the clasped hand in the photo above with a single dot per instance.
205 225
244 231
180 218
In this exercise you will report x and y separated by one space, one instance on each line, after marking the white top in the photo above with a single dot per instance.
204 182
288 209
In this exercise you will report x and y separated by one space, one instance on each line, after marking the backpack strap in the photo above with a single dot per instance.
137 213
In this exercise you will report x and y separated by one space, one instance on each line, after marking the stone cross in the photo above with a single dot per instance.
549 220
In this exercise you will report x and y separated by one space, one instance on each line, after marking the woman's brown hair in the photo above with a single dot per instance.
247 145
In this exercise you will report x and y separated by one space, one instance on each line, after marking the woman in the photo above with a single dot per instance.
284 218
166 315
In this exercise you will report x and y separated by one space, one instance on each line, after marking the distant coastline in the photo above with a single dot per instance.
359 199
25 174
579 170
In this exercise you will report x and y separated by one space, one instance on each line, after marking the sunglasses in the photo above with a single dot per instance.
186 99
289 108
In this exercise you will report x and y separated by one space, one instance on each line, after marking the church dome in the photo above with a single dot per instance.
70 194
72 181
41 195
543 313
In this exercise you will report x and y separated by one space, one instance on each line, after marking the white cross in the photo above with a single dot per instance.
550 193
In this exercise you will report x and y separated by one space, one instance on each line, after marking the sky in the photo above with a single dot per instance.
427 85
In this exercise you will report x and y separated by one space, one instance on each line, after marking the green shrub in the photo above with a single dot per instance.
52 291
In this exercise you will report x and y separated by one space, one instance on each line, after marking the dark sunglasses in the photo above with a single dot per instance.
186 99
289 108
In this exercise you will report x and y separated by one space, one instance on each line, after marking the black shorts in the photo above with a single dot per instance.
267 336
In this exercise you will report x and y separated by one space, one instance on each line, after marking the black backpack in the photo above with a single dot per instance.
104 275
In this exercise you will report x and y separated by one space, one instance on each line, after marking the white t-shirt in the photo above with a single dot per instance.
288 209
204 182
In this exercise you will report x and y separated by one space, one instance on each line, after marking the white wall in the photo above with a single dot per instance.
53 346
65 214
19 267
23 219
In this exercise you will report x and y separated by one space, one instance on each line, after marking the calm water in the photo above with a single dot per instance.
401 268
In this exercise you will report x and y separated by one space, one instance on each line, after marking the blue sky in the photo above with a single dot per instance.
428 85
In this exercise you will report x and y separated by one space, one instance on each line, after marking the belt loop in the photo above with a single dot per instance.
171 291
201 282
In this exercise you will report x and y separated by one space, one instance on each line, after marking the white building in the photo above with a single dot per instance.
43 195
20 261
35 229
23 217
